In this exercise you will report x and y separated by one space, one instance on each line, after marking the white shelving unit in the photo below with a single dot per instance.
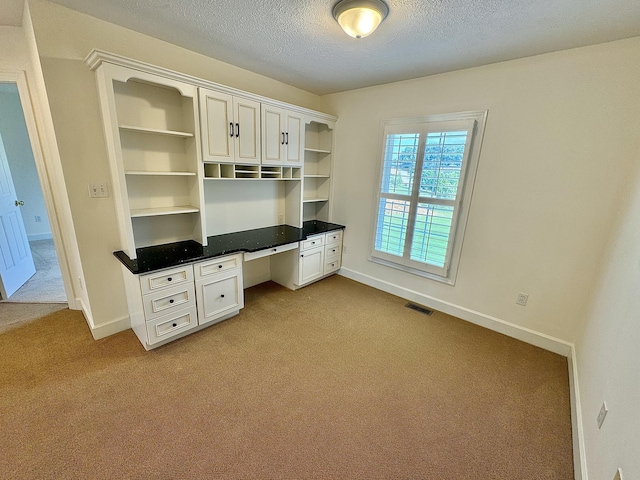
152 122
318 160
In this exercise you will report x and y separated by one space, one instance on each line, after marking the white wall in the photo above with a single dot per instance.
560 140
22 164
608 349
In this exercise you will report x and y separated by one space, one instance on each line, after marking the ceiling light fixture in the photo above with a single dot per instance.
359 18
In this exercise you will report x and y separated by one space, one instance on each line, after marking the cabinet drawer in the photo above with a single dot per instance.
270 251
312 242
219 296
333 237
164 301
221 264
170 325
332 251
331 265
152 282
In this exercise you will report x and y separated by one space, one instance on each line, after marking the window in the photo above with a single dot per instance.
426 179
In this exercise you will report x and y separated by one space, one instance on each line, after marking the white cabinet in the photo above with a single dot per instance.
169 304
153 141
311 261
230 128
282 136
317 257
318 159
219 288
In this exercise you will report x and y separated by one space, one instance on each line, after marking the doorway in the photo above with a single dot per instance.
32 227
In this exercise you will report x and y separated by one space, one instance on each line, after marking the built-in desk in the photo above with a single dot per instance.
178 288
159 257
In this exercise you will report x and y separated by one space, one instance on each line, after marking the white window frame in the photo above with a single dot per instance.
474 122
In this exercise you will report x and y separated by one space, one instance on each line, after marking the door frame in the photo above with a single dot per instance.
54 191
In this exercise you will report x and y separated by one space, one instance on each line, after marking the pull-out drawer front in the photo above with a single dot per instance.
152 282
220 264
333 237
168 299
219 296
312 242
332 251
270 251
331 265
171 325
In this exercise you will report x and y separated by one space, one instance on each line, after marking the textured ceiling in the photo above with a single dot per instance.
298 41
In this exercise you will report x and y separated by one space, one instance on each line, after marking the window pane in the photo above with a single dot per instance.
391 230
399 163
442 164
431 234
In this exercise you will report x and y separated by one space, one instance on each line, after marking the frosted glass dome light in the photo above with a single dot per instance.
359 18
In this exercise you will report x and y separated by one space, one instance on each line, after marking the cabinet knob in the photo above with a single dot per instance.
171 301
275 249
219 266
301 255
175 324
169 279
222 296
313 243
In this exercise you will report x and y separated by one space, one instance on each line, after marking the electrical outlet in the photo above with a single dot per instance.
38 218
522 299
618 475
602 414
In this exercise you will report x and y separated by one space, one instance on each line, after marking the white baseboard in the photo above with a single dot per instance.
40 236
579 454
532 337
114 326
105 329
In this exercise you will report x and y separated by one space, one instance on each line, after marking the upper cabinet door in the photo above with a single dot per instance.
273 135
282 136
247 130
294 139
230 128
217 126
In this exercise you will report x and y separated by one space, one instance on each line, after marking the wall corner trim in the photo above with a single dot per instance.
577 427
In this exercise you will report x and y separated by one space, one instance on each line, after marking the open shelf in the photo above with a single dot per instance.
222 171
150 173
156 131
316 150
159 211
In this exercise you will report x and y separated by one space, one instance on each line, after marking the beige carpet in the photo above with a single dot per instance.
46 285
334 381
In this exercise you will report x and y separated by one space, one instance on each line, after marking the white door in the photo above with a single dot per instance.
16 262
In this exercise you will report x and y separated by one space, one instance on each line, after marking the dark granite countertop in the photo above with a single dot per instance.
169 255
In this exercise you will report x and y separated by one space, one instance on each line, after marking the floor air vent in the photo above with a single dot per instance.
418 308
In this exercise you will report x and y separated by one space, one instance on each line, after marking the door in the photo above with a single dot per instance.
273 135
16 262
310 265
217 126
247 140
293 139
